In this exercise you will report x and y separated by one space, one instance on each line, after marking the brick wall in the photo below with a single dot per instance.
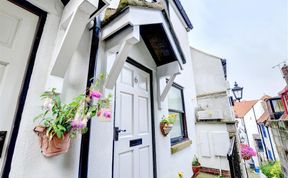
215 171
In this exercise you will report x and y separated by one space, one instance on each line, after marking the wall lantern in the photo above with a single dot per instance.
237 92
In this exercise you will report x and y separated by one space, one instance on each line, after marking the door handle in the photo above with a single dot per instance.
2 140
116 133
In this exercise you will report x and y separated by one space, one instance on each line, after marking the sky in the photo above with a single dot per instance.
251 34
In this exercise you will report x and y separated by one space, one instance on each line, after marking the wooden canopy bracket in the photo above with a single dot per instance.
74 20
127 44
171 70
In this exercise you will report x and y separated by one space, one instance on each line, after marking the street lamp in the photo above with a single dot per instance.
237 92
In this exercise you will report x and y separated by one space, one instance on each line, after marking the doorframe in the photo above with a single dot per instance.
149 71
26 81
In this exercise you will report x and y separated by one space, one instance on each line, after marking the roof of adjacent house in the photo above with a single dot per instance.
265 116
243 107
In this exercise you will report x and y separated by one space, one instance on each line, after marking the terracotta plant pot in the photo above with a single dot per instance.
52 147
165 128
196 169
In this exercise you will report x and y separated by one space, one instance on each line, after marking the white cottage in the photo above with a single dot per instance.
142 46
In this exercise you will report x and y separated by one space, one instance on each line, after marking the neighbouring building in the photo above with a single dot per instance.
151 70
252 118
215 124
278 122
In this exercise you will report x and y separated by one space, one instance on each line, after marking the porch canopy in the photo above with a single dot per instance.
123 30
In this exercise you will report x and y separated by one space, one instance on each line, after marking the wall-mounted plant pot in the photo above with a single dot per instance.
165 128
52 147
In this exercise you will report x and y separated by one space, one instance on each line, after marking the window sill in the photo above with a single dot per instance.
180 146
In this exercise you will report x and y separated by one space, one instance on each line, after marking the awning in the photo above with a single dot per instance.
127 27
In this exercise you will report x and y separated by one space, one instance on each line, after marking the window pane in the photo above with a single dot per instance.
177 128
278 105
175 99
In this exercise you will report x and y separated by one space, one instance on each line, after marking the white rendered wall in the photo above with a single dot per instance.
28 160
211 89
251 127
210 71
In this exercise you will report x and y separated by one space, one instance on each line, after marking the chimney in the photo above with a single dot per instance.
284 70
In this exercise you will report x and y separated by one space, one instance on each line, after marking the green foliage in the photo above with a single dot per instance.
58 117
195 161
169 119
272 170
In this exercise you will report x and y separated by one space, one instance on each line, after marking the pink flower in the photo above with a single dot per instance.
78 123
247 151
107 114
99 113
95 94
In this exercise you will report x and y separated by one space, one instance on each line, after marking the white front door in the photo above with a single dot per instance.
133 157
17 31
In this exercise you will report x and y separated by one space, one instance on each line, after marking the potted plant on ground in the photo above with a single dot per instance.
247 152
59 122
167 123
196 166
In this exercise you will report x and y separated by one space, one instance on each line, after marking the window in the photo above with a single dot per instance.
264 130
176 105
278 105
259 145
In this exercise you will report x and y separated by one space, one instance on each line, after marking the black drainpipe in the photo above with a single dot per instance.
85 141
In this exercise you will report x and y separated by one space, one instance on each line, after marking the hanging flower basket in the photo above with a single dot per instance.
247 152
167 123
60 122
52 147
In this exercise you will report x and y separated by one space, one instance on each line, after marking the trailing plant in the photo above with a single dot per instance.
195 161
59 118
169 119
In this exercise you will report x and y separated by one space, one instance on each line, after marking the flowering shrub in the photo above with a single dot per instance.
59 118
247 152
272 170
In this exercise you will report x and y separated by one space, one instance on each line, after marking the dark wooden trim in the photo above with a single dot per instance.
26 81
185 136
149 71
183 14
85 141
